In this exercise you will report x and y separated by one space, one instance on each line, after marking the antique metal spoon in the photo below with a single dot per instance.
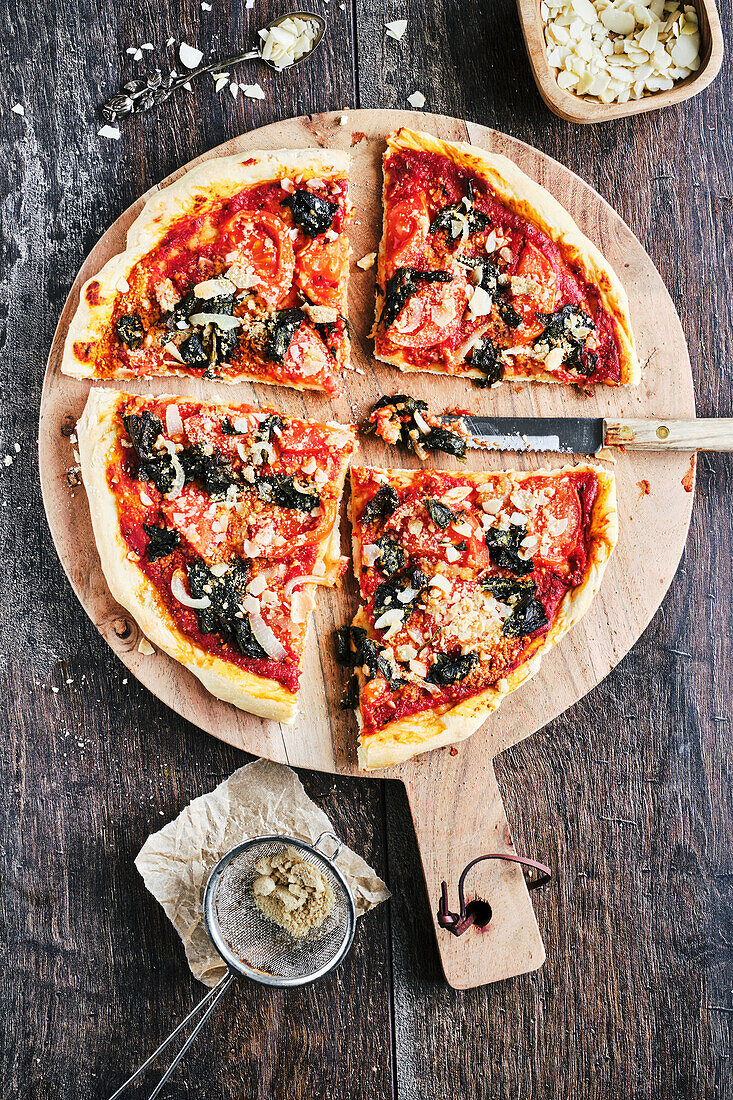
149 91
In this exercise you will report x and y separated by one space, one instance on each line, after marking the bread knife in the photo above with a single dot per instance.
589 435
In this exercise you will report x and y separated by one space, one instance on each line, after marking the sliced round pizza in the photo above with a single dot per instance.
214 524
482 273
238 270
466 580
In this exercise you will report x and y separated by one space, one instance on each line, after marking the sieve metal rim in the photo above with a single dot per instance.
240 966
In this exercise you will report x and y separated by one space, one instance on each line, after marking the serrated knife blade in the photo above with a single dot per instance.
566 435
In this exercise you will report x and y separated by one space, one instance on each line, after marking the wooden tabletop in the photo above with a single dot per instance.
628 795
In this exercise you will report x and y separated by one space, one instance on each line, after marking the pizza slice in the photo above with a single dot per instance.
466 580
238 270
482 273
214 524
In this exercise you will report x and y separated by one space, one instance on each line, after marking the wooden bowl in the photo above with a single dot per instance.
581 109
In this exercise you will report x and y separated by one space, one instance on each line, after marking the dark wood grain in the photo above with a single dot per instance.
628 795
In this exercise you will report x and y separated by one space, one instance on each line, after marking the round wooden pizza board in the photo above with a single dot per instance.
455 801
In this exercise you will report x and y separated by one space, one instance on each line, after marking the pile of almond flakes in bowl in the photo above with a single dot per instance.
617 50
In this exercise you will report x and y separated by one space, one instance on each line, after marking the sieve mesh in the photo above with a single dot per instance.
254 945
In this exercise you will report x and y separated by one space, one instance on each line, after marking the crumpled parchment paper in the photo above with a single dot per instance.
259 798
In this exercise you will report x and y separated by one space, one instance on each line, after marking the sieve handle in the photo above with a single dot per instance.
338 845
211 1000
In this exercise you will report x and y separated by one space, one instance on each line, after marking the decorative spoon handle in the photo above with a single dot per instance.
149 91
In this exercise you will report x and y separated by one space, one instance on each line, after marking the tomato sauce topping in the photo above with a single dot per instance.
440 217
218 520
273 260
459 580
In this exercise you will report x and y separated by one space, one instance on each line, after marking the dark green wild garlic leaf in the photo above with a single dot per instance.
313 214
391 556
449 219
130 330
383 504
386 594
485 358
527 615
441 516
224 616
442 439
228 428
504 549
281 489
350 697
506 589
568 328
281 329
450 670
403 283
162 541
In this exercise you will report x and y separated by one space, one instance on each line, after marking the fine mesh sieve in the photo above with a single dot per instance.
255 947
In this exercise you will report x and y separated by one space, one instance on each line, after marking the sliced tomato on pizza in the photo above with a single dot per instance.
238 270
482 273
466 580
214 524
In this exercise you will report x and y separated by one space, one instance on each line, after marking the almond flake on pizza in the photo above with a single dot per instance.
238 270
466 580
214 524
482 273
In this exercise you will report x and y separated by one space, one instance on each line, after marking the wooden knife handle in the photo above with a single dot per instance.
671 435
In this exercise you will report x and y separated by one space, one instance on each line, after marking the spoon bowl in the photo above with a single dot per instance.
311 17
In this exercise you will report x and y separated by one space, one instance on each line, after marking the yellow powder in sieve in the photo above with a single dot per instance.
292 892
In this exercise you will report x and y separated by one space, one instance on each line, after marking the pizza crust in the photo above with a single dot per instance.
527 198
97 433
195 192
418 733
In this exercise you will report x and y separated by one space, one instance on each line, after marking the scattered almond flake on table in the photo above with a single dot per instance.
18 109
170 42
253 91
206 7
109 132
189 55
145 647
396 29
417 99
147 46
617 50
234 89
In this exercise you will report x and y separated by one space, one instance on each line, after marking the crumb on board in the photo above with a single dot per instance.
644 488
145 647
688 481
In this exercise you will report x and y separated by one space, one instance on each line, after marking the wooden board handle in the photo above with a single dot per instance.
671 435
454 824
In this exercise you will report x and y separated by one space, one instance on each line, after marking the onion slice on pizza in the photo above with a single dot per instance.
482 273
214 524
466 580
238 270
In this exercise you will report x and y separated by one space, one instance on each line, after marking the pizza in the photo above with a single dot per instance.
214 524
466 580
238 270
482 273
